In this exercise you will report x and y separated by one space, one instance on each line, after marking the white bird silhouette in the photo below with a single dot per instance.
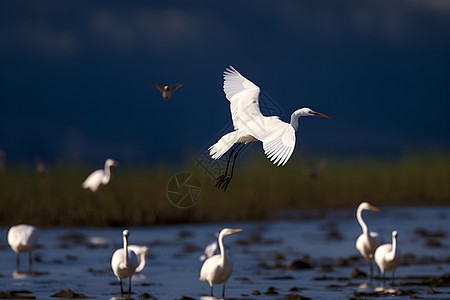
124 263
251 125
166 90
141 252
387 256
217 269
367 242
211 248
23 238
100 176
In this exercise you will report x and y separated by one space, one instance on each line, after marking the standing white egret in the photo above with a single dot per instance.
124 262
142 253
387 256
100 176
367 242
23 238
251 125
166 90
217 269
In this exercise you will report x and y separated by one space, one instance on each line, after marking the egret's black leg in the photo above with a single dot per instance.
223 290
227 180
30 259
121 289
393 277
129 288
222 177
212 291
371 270
18 261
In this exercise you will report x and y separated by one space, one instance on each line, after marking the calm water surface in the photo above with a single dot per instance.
324 240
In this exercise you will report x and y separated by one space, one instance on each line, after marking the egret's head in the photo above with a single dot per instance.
367 206
394 234
228 231
305 111
166 88
125 233
111 162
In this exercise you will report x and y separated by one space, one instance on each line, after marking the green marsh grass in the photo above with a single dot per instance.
258 191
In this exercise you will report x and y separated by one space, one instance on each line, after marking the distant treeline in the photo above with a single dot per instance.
259 191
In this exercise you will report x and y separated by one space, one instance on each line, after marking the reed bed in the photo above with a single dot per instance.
258 191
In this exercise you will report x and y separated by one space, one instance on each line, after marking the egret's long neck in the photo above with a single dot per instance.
223 257
125 249
361 221
294 117
391 255
107 172
141 261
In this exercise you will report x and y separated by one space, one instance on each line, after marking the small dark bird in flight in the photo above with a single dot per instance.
166 90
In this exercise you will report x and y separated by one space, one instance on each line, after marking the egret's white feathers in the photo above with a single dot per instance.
141 252
243 96
279 143
278 137
23 238
224 144
94 180
250 124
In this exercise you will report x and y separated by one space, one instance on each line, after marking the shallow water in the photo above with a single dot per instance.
65 260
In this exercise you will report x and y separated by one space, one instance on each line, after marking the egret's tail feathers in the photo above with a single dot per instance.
223 145
85 185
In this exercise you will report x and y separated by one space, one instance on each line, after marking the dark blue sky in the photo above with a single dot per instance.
74 75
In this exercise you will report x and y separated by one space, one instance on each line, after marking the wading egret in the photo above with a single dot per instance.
23 238
387 256
142 253
250 125
166 90
367 242
124 262
99 177
217 269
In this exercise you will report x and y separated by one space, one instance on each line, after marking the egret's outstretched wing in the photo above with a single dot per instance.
243 96
278 139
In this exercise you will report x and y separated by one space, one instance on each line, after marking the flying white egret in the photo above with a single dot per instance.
367 242
124 263
387 256
23 238
166 90
217 269
100 176
142 253
251 125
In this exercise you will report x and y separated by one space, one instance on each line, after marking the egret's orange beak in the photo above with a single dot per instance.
320 115
236 230
115 163
373 208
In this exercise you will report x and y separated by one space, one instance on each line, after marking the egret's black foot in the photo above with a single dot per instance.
225 183
220 180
